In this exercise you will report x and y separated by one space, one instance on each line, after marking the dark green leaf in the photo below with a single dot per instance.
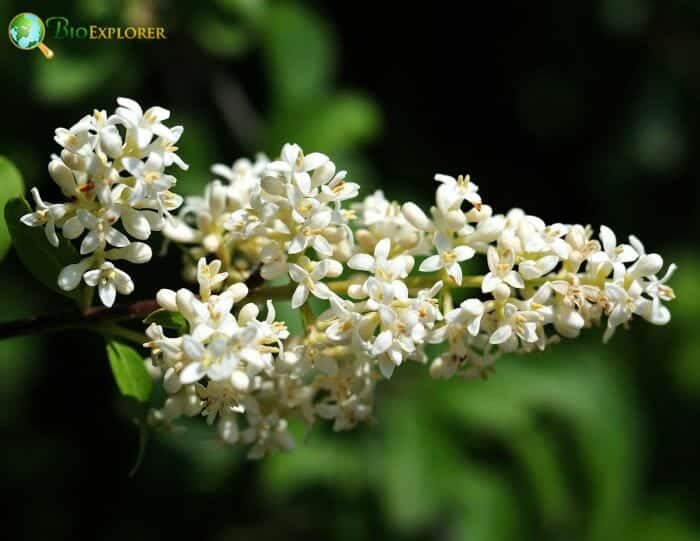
221 38
38 256
299 53
73 76
11 186
333 125
129 370
168 320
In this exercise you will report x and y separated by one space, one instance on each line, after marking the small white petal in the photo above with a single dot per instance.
108 293
382 249
363 262
301 293
501 334
192 373
70 276
431 264
382 342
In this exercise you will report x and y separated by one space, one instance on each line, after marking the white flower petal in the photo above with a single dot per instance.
301 293
382 343
431 264
363 262
107 292
501 334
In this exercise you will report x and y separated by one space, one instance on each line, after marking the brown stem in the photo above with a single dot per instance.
75 319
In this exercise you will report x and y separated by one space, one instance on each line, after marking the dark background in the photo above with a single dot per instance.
575 111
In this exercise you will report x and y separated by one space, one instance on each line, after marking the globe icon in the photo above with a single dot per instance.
26 31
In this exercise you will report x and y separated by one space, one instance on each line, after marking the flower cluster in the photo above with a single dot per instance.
225 365
111 172
375 283
259 216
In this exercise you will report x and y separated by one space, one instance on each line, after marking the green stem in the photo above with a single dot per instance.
88 294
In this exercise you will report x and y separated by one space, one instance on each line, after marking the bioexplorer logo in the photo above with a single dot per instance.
27 31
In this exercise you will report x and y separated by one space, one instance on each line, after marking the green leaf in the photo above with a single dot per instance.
168 320
299 52
129 370
334 125
221 38
11 186
249 10
41 259
70 76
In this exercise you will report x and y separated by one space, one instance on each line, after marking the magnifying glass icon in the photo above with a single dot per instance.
27 32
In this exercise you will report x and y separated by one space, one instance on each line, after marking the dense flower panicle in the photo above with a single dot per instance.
375 282
111 172
387 275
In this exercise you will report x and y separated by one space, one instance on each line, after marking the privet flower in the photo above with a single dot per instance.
111 172
386 274
373 280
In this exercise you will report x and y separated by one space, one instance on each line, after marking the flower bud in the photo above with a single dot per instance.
647 265
416 217
333 268
239 291
228 429
166 299
248 313
171 381
62 176
455 220
240 381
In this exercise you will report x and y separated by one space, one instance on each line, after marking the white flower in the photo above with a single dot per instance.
501 273
453 191
468 316
77 139
380 265
150 179
165 147
531 269
209 277
293 165
448 258
310 282
611 253
45 215
622 304
101 230
70 276
109 280
513 325
145 124
311 234
338 190
216 360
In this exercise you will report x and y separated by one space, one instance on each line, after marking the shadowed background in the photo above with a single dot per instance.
577 112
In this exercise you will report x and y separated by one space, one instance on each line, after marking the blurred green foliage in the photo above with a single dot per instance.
555 446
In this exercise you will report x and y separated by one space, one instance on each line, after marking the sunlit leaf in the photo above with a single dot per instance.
70 77
11 185
129 370
336 124
168 320
221 38
299 52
